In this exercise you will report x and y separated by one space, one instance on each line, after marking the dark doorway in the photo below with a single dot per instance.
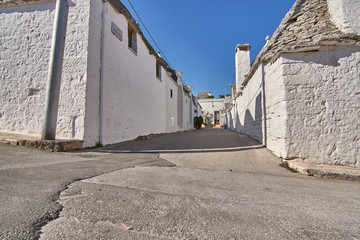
217 117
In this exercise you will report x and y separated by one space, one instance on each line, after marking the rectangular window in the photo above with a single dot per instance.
132 39
158 70
171 93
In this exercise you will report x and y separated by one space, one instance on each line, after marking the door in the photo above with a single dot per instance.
217 117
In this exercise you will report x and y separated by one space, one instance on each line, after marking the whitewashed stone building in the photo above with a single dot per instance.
301 95
213 107
114 87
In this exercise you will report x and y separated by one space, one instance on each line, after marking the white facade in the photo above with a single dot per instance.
345 14
305 103
109 92
211 106
26 32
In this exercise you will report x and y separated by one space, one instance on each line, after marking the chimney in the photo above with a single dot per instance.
179 77
242 64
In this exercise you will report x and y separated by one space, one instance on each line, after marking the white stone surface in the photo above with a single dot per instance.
171 92
26 33
312 106
242 64
276 114
248 115
187 117
212 105
108 93
133 98
346 15
323 105
92 110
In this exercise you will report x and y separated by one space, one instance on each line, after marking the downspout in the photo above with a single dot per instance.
55 70
263 104
101 95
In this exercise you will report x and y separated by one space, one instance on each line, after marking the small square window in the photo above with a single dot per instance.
158 70
132 43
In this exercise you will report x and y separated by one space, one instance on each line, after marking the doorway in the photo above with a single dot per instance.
217 118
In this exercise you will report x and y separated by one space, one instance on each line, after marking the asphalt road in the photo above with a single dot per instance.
31 181
207 184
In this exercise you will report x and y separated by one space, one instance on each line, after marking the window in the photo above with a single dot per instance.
132 39
171 93
158 70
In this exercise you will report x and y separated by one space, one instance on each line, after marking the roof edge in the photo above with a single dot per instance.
120 8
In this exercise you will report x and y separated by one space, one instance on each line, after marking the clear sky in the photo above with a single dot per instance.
199 37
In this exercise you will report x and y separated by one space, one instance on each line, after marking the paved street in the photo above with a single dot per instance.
206 184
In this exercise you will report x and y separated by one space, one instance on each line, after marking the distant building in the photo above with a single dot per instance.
213 108
203 95
114 86
300 97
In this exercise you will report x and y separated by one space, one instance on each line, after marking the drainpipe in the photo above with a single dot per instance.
101 96
263 103
55 70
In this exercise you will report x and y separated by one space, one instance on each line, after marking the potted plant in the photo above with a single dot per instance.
198 121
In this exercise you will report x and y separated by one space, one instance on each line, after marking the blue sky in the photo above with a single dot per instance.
199 37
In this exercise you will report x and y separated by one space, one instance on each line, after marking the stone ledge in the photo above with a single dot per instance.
324 170
58 145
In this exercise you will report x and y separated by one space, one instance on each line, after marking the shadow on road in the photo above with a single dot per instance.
203 140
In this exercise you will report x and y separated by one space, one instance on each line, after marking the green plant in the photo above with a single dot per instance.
198 121
208 118
201 120
97 145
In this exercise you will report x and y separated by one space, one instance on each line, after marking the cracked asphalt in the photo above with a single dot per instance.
206 184
31 181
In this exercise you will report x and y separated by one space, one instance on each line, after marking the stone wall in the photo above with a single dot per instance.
171 96
109 93
25 41
323 105
345 15
187 121
133 98
275 103
211 105
249 108
92 114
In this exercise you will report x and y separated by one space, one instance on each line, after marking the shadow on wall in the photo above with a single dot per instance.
252 126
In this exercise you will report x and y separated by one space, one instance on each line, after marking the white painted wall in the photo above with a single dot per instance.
276 114
26 32
187 121
323 95
248 117
312 106
92 114
180 102
133 97
171 103
108 92
345 14
242 63
212 105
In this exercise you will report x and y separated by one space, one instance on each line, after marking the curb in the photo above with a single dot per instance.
324 170
47 145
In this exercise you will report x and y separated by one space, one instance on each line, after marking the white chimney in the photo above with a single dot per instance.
179 76
242 64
